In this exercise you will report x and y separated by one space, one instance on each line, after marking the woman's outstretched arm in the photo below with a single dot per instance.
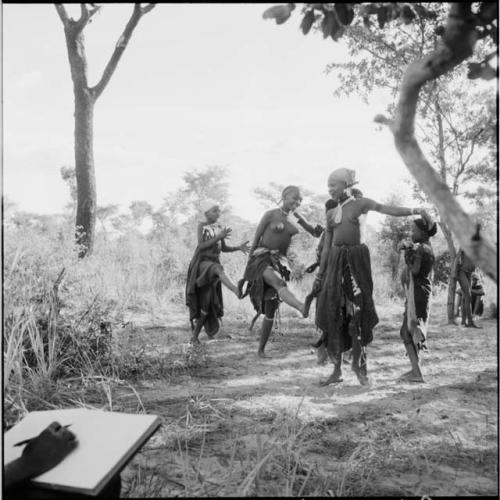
391 210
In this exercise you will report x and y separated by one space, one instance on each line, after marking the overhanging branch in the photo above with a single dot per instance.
458 42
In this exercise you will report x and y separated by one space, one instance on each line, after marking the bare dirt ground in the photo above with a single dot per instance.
234 424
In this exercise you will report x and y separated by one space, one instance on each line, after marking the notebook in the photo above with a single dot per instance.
106 442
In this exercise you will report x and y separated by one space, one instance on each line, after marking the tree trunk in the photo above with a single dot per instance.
452 283
85 99
85 173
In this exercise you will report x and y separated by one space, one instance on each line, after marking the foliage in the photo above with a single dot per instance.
385 245
457 138
336 19
442 268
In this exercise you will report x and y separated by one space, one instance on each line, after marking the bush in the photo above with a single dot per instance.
442 268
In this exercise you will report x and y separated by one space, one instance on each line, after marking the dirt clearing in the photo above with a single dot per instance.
234 424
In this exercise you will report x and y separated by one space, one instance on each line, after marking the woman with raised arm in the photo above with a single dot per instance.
268 269
345 312
205 274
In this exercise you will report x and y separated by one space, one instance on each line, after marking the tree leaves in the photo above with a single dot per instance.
423 12
330 25
307 22
407 14
345 13
382 15
280 13
488 11
481 70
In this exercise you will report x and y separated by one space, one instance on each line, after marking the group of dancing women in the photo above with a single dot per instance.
343 286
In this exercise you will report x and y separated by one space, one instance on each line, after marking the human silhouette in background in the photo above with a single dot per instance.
463 269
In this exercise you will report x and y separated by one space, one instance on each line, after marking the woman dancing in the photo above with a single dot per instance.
205 274
268 270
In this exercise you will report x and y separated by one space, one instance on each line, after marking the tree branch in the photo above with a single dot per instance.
148 8
62 14
85 16
120 48
458 42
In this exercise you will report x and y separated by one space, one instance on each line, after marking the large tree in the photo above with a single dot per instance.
465 24
85 98
454 137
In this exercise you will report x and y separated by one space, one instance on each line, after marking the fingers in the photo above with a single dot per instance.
58 431
54 427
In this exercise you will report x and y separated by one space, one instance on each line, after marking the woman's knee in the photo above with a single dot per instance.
272 279
215 271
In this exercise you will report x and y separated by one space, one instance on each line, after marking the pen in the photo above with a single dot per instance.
25 441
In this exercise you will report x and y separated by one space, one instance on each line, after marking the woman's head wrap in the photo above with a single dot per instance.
289 189
206 205
428 227
344 175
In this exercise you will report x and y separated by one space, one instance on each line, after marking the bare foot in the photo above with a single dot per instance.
334 378
263 355
411 376
362 378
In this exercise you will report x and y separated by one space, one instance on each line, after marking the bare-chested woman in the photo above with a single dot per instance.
268 270
345 312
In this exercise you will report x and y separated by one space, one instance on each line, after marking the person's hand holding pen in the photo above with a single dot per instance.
41 453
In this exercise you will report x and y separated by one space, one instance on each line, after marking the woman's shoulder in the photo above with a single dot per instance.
271 213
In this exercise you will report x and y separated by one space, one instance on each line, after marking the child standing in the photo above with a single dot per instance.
419 260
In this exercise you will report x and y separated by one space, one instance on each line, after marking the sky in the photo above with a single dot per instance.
198 85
